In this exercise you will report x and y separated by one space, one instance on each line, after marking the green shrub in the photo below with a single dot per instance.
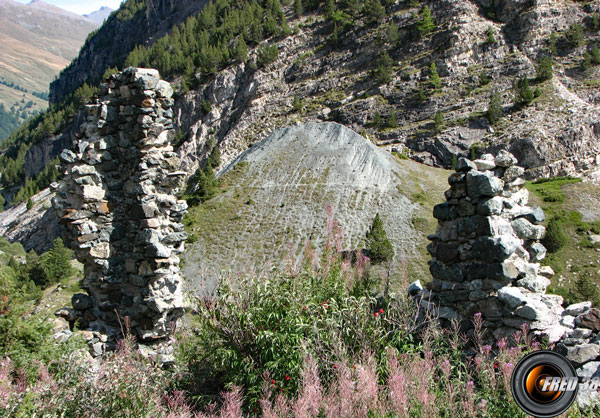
206 107
556 237
588 288
491 39
574 35
266 55
297 104
383 71
552 48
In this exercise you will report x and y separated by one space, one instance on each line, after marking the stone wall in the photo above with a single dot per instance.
117 202
486 252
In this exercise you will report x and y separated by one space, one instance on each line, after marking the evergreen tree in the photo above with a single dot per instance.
215 155
392 121
426 25
595 55
383 73
544 69
298 8
374 11
434 78
494 112
329 8
379 248
575 35
523 93
438 122
56 263
377 121
392 34
240 53
552 44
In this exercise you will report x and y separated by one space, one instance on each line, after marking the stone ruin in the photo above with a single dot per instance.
486 257
117 203
486 251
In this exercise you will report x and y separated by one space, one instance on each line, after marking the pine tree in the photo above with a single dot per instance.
494 112
544 69
438 122
298 8
214 157
377 121
374 11
329 8
434 77
595 55
379 248
383 73
240 53
392 121
523 93
426 25
56 263
552 44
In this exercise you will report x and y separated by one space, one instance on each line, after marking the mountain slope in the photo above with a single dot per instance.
38 40
276 196
137 22
100 15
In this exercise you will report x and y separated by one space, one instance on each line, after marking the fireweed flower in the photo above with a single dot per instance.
486 349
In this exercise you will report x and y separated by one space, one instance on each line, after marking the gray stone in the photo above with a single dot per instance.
512 173
536 215
583 353
464 164
494 249
534 310
505 159
97 349
491 206
526 230
513 297
157 251
589 319
445 212
465 208
578 308
537 252
447 313
81 301
483 184
483 165
415 288
537 284
568 321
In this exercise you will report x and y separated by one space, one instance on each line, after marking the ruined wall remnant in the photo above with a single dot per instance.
117 201
486 252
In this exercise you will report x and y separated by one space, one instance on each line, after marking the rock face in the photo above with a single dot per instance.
117 203
486 250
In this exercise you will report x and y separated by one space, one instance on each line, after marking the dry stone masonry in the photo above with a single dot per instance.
117 202
487 249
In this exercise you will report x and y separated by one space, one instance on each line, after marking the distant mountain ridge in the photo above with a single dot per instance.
38 40
100 15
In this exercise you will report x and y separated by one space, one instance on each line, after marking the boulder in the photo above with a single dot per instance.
505 159
82 301
483 184
590 320
578 308
526 230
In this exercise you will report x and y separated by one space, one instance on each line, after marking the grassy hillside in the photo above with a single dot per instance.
573 208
